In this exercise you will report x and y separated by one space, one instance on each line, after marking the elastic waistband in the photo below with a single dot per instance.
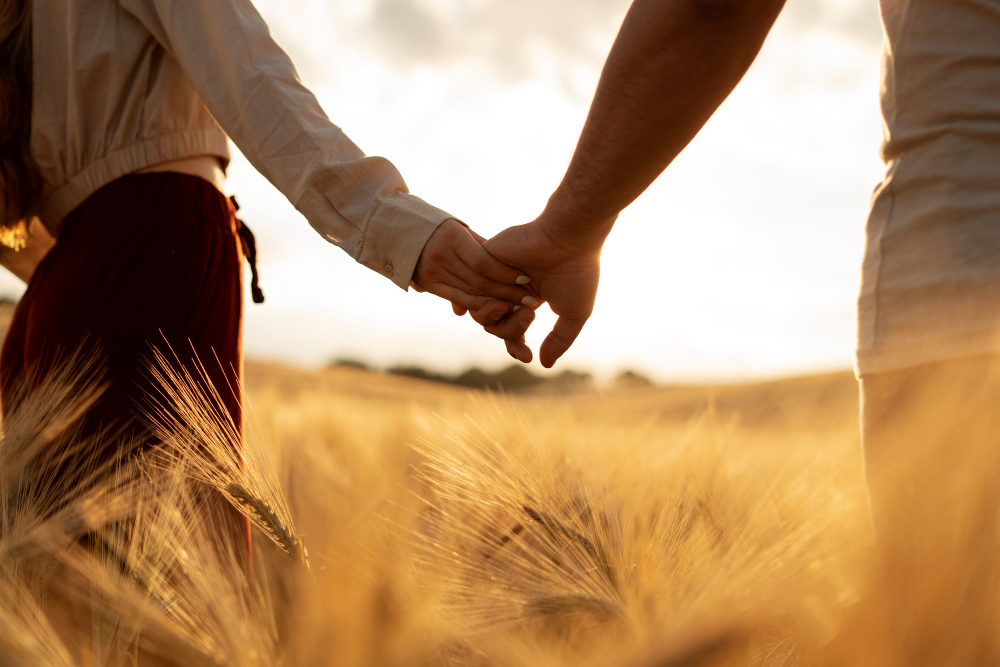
129 159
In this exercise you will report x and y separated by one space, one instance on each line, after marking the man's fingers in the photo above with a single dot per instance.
458 310
519 350
513 325
490 313
559 339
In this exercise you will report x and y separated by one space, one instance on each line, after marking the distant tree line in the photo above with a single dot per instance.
515 378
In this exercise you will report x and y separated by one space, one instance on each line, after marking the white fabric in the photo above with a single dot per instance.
120 85
931 278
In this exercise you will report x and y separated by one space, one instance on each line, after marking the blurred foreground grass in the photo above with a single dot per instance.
720 525
632 526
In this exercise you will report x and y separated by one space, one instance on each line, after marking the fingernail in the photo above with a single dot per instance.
496 316
529 301
522 280
516 308
525 323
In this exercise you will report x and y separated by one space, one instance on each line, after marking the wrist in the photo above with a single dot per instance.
573 229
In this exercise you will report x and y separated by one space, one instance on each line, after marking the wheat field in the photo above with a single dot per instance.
401 522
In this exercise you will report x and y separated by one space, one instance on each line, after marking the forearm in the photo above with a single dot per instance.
673 63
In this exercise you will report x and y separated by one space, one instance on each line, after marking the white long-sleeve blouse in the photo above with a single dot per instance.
120 85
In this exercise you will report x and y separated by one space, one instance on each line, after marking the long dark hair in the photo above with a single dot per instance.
20 181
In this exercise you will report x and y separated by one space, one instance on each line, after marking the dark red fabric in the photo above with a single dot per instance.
150 259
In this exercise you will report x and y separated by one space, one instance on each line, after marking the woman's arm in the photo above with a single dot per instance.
357 202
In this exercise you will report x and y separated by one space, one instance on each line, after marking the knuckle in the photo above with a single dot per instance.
497 331
449 233
481 263
512 328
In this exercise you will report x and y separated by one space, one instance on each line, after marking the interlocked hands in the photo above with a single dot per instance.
476 276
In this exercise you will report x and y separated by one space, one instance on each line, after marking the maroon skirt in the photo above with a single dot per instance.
148 260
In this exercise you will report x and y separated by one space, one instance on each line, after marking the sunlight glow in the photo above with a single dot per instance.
742 260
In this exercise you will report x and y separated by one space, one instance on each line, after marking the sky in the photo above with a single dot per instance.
742 260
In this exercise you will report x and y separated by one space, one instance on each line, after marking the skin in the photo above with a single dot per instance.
673 63
452 265
22 263
455 267
207 167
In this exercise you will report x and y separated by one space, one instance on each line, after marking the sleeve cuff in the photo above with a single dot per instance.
396 234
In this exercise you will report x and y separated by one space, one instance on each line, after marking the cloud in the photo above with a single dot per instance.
506 35
855 19
502 35
866 26
406 32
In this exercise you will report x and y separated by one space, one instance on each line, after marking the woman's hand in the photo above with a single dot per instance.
454 266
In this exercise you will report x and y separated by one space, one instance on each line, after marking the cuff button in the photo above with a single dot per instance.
388 270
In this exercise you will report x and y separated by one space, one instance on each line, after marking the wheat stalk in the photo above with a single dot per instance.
269 521
199 437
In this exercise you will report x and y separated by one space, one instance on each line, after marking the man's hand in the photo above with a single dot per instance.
564 272
672 65
454 266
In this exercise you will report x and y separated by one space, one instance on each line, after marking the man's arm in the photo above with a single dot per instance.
671 66
673 63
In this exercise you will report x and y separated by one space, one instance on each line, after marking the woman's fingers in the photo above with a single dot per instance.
453 255
490 276
485 310
454 272
470 302
484 264
459 283
461 277
454 266
477 283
